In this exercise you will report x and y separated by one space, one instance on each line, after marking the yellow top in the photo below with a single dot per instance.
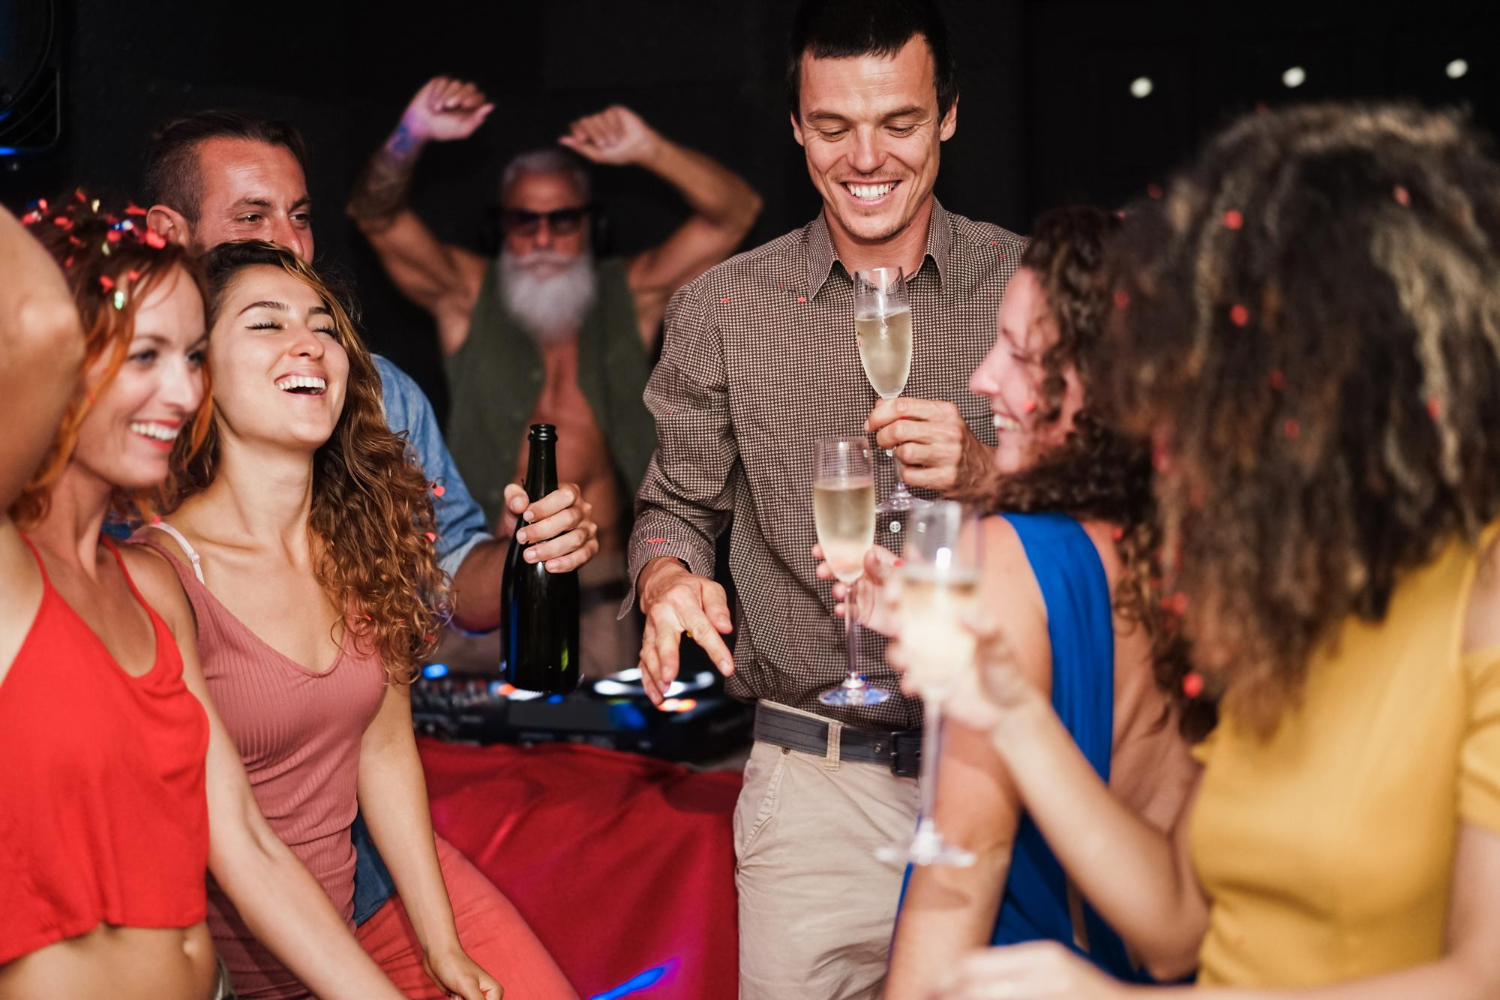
1327 850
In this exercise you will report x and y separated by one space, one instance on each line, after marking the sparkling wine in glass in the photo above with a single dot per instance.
882 329
940 572
844 513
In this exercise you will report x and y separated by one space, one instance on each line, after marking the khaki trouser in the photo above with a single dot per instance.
817 909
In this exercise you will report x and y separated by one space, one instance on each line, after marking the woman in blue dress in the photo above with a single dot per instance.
1070 583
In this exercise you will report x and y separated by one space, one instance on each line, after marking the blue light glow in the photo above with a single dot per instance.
7 151
435 670
638 983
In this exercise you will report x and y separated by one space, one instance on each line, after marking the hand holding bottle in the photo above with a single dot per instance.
560 526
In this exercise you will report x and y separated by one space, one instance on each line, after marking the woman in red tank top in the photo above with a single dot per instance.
303 535
115 762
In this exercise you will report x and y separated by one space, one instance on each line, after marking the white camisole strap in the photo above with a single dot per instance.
187 547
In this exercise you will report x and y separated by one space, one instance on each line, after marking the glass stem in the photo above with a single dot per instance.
932 748
900 489
851 636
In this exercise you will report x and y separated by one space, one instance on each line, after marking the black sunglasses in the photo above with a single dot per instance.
560 221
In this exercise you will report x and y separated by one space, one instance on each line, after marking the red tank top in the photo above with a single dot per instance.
103 816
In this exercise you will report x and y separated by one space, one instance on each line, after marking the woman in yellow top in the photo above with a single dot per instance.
1308 328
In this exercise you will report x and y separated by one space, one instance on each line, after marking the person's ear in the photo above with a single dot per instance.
170 224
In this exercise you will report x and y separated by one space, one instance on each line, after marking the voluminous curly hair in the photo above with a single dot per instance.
1311 333
371 513
1097 472
111 267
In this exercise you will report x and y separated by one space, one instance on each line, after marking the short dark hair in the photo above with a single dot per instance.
172 176
842 29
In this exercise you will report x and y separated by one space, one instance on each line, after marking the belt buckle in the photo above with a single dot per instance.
906 754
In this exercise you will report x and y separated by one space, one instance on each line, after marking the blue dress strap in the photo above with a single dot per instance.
1080 627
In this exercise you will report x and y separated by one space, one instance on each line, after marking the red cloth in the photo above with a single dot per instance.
619 863
103 815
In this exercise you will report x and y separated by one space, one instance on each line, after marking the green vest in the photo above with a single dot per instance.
494 380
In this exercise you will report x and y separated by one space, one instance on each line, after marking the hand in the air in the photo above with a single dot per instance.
615 135
445 109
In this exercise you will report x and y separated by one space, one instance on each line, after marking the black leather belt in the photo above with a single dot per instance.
899 749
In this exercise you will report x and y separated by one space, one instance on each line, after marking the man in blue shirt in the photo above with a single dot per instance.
218 176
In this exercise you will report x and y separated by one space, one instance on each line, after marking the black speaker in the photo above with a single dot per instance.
30 79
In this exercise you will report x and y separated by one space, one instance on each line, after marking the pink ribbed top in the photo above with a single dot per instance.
298 733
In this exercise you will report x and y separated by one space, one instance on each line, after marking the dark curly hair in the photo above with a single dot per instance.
1310 331
1097 472
112 264
371 505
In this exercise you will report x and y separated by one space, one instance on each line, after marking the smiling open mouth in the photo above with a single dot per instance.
155 431
870 192
1004 423
303 385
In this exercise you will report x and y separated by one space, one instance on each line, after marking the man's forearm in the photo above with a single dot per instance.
385 185
712 190
476 586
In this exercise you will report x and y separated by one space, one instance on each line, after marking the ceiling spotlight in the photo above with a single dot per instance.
1295 76
1141 86
1456 68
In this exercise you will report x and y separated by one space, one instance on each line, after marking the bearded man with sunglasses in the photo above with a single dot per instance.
545 333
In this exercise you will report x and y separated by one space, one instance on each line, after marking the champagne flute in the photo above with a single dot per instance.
882 329
940 572
844 512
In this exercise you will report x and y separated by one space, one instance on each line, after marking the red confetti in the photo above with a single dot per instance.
1434 407
428 637
134 209
1161 459
113 236
1233 219
78 193
1278 380
1120 213
724 299
155 240
30 217
437 490
63 221
1178 602
802 298
1238 314
1154 190
431 537
106 282
1030 405
42 204
994 243
68 262
1119 533
1192 685
1402 196
783 287
135 275
670 412
1122 298
1291 428
656 541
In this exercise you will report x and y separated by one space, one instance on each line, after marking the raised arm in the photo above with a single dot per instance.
280 901
441 278
686 497
724 206
41 348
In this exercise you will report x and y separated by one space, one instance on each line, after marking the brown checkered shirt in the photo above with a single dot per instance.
758 362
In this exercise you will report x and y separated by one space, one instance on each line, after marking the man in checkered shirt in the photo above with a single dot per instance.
759 361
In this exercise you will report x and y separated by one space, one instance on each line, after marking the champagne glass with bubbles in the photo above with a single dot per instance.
940 574
882 328
844 512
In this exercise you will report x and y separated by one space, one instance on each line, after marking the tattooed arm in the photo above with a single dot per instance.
441 278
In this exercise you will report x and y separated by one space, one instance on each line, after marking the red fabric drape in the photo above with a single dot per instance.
620 863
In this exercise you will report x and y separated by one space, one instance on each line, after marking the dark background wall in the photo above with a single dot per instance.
1045 117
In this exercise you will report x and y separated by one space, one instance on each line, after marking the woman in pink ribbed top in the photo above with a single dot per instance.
303 537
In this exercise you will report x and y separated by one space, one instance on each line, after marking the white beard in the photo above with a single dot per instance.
547 292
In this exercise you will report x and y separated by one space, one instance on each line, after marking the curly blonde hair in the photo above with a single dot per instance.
1310 326
371 505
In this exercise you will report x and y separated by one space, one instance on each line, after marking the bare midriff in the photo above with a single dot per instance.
582 450
122 963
